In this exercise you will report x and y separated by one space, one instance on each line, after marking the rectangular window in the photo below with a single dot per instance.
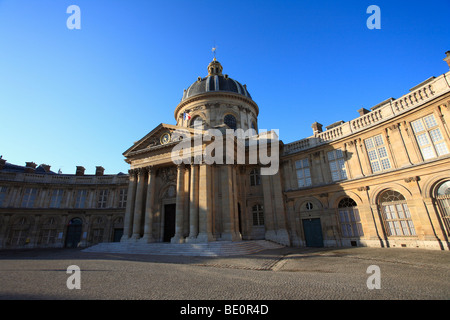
97 236
258 215
80 201
48 236
378 157
56 199
303 173
123 198
102 198
429 137
350 222
337 165
29 197
398 219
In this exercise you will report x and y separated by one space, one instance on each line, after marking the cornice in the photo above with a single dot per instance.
216 94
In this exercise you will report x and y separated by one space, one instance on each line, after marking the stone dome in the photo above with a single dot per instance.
215 81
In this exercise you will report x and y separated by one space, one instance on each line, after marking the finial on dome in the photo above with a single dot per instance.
213 50
215 68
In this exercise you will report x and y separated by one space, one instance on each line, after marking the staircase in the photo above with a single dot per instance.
209 249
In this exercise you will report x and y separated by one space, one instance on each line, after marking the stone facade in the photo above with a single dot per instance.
381 179
213 201
42 209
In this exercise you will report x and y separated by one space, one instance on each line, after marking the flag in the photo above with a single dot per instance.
186 116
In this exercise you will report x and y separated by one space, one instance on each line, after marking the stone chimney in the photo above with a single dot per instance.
2 162
317 128
30 167
46 167
447 58
99 171
80 171
363 111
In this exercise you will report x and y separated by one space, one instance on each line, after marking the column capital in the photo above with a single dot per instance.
181 166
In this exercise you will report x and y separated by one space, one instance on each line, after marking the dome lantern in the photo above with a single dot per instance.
215 68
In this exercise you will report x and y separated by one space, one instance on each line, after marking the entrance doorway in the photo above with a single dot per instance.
169 221
73 236
313 232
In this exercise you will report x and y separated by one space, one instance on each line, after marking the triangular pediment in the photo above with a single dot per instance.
153 140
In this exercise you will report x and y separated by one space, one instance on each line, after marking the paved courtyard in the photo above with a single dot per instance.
277 274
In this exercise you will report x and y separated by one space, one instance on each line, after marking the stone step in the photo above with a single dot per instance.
216 248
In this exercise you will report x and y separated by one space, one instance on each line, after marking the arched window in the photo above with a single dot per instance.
258 215
396 215
230 121
349 219
255 179
443 203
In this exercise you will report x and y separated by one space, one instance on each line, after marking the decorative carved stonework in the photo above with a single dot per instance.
170 192
168 174
412 179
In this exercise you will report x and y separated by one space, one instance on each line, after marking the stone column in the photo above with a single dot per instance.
138 204
237 233
204 205
148 224
129 209
227 203
193 204
179 213
274 213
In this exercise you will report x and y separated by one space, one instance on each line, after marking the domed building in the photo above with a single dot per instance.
381 179
203 199
217 99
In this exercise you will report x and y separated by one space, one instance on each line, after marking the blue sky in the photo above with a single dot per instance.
82 97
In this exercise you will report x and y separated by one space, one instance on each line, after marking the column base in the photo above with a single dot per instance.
147 239
191 239
177 239
205 237
124 238
135 237
230 236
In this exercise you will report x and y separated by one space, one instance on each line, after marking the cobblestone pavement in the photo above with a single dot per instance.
279 274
